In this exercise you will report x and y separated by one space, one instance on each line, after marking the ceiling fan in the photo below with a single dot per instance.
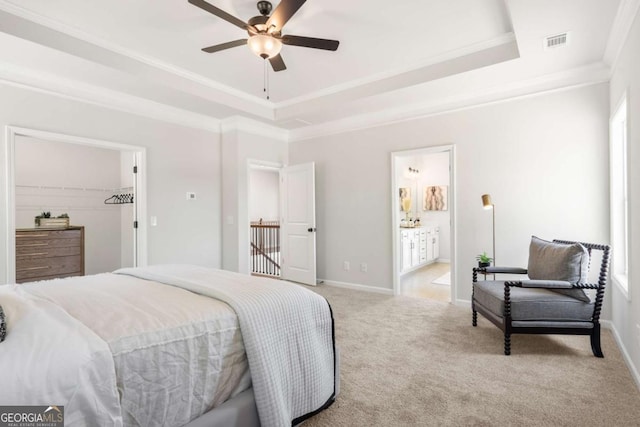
265 32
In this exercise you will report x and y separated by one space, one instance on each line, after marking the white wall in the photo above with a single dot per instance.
72 179
543 159
264 200
434 170
626 77
179 159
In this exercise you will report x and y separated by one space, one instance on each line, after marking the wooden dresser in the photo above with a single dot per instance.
49 253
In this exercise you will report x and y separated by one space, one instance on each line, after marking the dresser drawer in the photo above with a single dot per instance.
37 267
46 251
27 236
40 245
49 253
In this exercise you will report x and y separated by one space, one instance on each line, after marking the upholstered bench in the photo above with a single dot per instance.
553 301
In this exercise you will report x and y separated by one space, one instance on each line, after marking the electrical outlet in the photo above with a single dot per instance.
346 266
364 267
191 195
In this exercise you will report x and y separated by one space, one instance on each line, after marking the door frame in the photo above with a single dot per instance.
245 241
395 212
11 132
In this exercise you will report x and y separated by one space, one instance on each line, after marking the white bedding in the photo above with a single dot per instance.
115 349
287 331
176 354
50 358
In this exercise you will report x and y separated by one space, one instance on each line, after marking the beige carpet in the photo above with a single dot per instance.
414 362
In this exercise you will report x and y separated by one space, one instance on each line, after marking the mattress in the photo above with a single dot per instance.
176 354
115 349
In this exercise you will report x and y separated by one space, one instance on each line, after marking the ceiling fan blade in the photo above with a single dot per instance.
311 42
283 12
277 63
221 14
223 46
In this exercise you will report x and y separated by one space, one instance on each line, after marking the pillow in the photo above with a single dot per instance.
558 261
3 325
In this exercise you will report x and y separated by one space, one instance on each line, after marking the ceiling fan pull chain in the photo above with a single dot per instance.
265 78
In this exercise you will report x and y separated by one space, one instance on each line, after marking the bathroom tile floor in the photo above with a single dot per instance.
419 283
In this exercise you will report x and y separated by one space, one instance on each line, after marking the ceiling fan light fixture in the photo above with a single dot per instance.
264 45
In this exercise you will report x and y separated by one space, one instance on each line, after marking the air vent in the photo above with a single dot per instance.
555 41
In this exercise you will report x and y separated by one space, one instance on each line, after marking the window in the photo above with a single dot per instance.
619 196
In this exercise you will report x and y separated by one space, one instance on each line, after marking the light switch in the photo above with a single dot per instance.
154 221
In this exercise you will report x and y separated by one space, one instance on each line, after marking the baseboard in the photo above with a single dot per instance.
608 324
357 287
462 303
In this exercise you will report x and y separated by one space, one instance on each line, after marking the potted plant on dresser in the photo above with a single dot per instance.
45 220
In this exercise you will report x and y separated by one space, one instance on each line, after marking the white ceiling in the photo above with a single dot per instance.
403 57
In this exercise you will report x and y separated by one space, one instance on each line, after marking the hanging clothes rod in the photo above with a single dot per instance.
119 199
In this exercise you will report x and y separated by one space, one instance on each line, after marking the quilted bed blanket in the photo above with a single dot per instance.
287 332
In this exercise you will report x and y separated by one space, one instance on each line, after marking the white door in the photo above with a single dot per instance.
298 241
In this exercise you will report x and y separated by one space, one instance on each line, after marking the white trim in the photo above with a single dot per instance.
462 303
120 50
254 127
10 202
10 139
622 101
356 287
566 80
82 92
251 165
504 39
608 324
627 11
623 288
395 218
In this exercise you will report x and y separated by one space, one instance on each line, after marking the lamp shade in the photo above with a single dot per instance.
265 45
486 201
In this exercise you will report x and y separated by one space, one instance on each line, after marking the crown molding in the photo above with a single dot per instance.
583 76
505 39
627 12
70 89
244 124
144 59
472 57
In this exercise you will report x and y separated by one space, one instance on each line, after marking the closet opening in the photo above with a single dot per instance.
75 206
423 223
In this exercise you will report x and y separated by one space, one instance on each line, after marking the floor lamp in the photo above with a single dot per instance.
486 203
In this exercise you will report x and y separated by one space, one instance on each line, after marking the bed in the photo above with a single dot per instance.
169 345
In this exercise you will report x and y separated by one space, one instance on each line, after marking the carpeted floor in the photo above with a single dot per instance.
415 362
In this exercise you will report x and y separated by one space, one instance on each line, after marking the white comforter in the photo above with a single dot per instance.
287 332
50 358
176 354
115 349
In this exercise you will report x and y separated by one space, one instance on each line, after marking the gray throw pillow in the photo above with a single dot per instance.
3 325
557 261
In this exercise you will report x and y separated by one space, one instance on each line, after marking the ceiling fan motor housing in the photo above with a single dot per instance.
264 7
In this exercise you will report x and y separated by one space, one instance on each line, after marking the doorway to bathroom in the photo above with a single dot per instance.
423 223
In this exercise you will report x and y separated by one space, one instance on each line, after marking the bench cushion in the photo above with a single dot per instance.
531 303
558 261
